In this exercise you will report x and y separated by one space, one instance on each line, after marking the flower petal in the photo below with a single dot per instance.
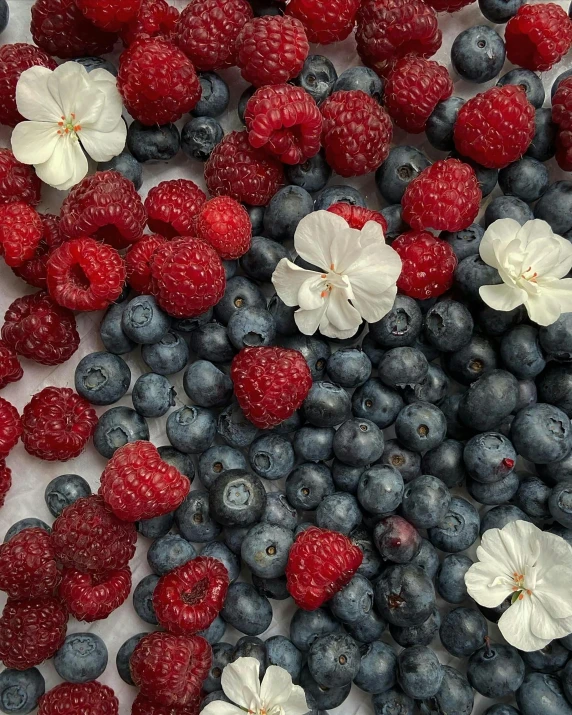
240 681
374 308
558 289
554 590
533 230
66 83
34 142
372 233
502 297
504 230
515 625
105 82
297 704
314 236
341 313
103 146
276 687
484 586
66 166
544 308
219 707
34 99
288 278
312 293
543 625
308 321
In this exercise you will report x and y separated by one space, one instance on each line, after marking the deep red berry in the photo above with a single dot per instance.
189 598
448 5
79 698
144 706
562 116
105 206
246 174
208 29
20 232
18 182
428 264
170 669
155 18
538 36
39 329
28 567
31 631
35 270
496 127
109 15
270 383
357 216
138 262
5 481
356 133
88 537
92 597
320 564
10 427
172 205
225 224
271 49
284 120
10 368
325 21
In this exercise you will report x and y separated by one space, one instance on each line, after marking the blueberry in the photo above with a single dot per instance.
82 657
124 656
339 193
494 493
326 405
549 659
401 326
271 456
496 670
489 400
314 444
312 175
218 550
455 695
556 339
243 101
167 356
143 599
554 386
315 351
422 634
221 657
143 321
215 96
371 565
368 629
450 581
395 224
426 559
237 498
433 388
282 652
393 700
283 314
527 80
193 518
541 693
500 11
543 145
402 366
554 472
251 647
210 342
560 503
358 442
286 209
541 433
308 484
472 273
182 462
191 429
206 385
156 527
234 428
339 512
425 502
20 690
478 54
276 588
407 463
93 63
153 143
319 697
420 426
499 516
354 601
458 530
234 536
65 490
102 378
153 395
475 359
216 460
463 631
489 457
445 462
376 402
265 549
526 179
28 523
126 165
200 136
380 489
555 207
318 77
362 78
455 429
116 427
262 258
396 539
111 332
279 511
403 164
508 207
251 327
306 626
404 595
215 632
246 610
349 367
419 672
440 125
168 552
528 395
497 322
334 658
345 477
448 325
240 294
466 242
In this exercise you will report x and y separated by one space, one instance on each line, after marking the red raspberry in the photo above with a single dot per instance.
390 29
208 29
189 598
18 182
31 631
84 274
496 127
138 262
272 49
155 18
172 205
157 81
144 706
105 206
356 133
10 427
357 216
225 224
448 5
320 564
109 15
5 481
39 329
92 597
562 116
10 368
79 699
538 36
188 277
20 232
88 537
270 383
34 271
59 28
170 669
284 120
246 174
428 264
28 567
325 21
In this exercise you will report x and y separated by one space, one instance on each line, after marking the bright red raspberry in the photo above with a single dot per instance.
428 264
562 116
189 598
28 567
155 18
144 706
208 30
35 270
31 631
284 120
157 81
92 597
39 329
272 49
18 182
109 15
10 368
390 29
188 277
357 216
356 133
270 383
88 537
320 564
138 262
5 481
170 669
21 229
538 36
79 698
59 28
105 206
246 174
225 224
496 127
172 205
325 21
10 427
448 5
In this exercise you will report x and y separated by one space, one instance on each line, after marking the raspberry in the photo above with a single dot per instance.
57 424
188 277
20 232
208 29
320 564
92 597
18 182
109 15
390 29
448 5
445 196
357 216
172 205
31 631
428 264
270 383
79 698
225 224
496 127
157 81
538 36
189 598
356 133
39 329
88 537
325 21
28 567
105 206
284 120
84 274
34 271
170 669
10 368
155 18
562 116
246 174
144 706
138 262
10 427
5 481
59 28
272 49
414 88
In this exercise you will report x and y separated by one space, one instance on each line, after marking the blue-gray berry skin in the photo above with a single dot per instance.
154 143
143 321
183 462
234 428
261 259
194 520
560 504
400 326
487 178
167 356
527 80
543 144
425 502
111 332
448 325
489 457
276 588
554 386
153 395
246 610
458 529
286 209
463 631
315 351
349 367
488 400
317 77
380 489
421 426
156 527
445 462
494 493
478 54
455 428
334 658
214 632
541 693
475 359
441 123
218 550
271 456
265 549
82 657
378 668
419 672
550 659
237 498
102 378
308 484
221 657
556 339
496 670
466 242
556 471
422 634
450 581
354 601
407 463
471 273
362 78
191 429
499 11
65 490
124 656
402 366
91 63
240 294
393 214
168 552
306 626
282 652
187 325
319 698
234 536
210 342
369 629
339 512
532 497
126 165
555 207
29 523
372 564
207 385
256 215
143 599
432 388
326 405
199 137
496 322
279 511
455 695
358 442
541 433
218 459
215 96
20 690
283 315
346 477
527 179
427 559
403 164
417 595
116 427
499 516
314 444
312 175
393 699
338 193
521 352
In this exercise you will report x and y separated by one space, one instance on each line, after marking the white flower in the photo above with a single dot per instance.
274 696
534 568
357 282
68 109
532 262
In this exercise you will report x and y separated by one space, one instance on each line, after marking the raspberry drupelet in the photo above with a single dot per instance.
10 368
144 706
172 205
225 225
5 481
18 182
155 18
93 596
538 36
75 698
109 15
562 117
358 216
448 5
428 264
10 427
138 262
28 567
325 21
35 271
21 230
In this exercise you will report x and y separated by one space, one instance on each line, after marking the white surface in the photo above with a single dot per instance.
30 476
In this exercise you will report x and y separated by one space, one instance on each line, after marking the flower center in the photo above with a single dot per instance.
69 126
528 275
519 588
